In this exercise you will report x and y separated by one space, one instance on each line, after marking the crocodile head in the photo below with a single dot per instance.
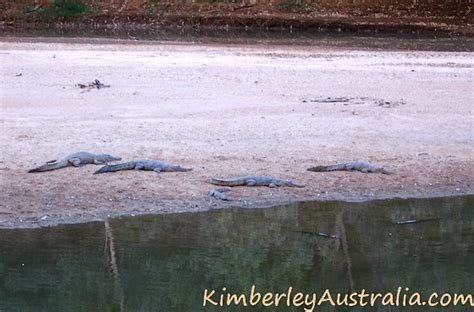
290 183
284 182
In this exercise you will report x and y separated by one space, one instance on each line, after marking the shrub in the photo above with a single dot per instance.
64 9
296 6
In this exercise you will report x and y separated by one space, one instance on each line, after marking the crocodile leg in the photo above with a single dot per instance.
251 182
76 162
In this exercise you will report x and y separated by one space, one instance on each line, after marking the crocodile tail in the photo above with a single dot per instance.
227 182
214 181
181 169
50 166
219 181
318 168
115 168
327 168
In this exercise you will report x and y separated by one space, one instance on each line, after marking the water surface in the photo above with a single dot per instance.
424 41
164 262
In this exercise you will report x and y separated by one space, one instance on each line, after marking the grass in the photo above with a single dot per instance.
64 9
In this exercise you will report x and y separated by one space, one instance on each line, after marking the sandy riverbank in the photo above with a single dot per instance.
225 111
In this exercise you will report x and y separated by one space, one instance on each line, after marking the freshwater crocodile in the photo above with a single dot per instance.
150 165
356 165
253 181
76 160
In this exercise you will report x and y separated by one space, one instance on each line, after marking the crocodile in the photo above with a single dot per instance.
356 165
219 193
76 160
253 181
149 165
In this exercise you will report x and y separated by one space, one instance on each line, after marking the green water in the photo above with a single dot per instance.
164 262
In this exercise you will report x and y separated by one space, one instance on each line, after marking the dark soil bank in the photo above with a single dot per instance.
443 16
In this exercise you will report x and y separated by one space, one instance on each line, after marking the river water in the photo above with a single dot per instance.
165 262
425 41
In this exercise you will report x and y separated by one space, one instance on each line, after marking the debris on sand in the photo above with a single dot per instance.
93 85
219 193
358 100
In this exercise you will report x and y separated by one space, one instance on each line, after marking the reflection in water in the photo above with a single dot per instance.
110 255
164 262
428 41
341 232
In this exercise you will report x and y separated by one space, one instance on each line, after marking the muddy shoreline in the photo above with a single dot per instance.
132 208
387 25
226 111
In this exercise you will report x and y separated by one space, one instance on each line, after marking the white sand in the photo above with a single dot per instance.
226 111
